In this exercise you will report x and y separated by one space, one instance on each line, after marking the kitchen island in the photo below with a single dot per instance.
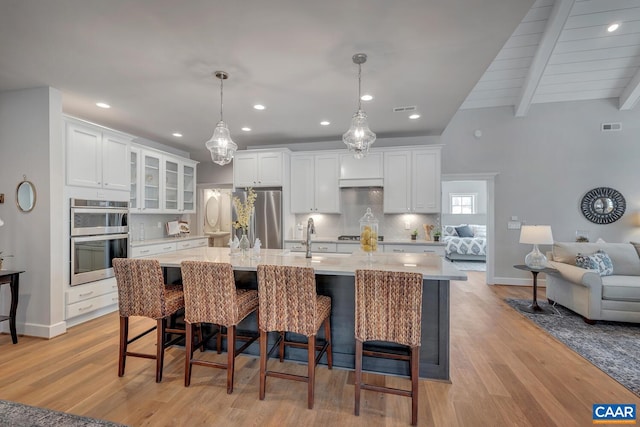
335 276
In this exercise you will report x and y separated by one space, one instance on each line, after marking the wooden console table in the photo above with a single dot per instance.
11 277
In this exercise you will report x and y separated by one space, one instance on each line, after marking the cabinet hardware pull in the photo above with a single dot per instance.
145 251
167 247
85 294
85 308
398 250
323 248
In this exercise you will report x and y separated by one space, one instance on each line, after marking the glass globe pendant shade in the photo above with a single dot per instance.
221 145
359 137
535 259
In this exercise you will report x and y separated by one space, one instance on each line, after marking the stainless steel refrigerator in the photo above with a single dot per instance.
266 221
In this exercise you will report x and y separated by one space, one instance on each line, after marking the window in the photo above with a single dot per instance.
462 203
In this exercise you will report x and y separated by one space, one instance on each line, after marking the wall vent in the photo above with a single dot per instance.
401 109
610 127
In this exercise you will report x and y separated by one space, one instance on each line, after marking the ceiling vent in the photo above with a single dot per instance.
611 127
402 109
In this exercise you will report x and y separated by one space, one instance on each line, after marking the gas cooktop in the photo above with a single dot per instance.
357 238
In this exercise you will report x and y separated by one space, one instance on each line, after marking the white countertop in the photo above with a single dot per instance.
431 266
384 242
137 243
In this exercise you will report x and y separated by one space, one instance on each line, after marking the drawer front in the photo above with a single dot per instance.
415 249
294 247
160 248
91 290
188 244
323 247
91 304
347 248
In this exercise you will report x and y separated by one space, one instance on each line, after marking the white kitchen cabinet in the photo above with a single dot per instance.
194 243
152 249
316 247
414 248
258 169
86 298
367 171
96 158
412 181
163 183
314 183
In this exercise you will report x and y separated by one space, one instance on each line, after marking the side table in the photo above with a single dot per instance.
11 277
534 307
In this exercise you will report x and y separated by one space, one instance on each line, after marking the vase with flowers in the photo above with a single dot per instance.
244 210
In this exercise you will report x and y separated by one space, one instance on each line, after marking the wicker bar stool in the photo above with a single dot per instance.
211 296
288 302
388 308
142 292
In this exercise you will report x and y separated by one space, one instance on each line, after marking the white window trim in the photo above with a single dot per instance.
474 202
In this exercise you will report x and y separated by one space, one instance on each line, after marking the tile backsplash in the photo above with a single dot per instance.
354 203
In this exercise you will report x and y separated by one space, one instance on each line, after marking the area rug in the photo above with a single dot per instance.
613 347
14 414
470 265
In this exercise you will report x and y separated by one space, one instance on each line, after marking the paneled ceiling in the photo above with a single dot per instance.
153 60
563 51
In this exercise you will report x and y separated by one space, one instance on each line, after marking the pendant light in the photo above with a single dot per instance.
359 137
221 145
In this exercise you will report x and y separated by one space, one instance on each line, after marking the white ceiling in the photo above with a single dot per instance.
153 60
562 51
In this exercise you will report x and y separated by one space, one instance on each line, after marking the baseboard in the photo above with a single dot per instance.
43 331
92 315
518 281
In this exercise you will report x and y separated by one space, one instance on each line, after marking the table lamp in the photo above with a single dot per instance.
536 235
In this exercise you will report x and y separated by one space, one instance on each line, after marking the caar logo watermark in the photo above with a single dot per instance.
604 413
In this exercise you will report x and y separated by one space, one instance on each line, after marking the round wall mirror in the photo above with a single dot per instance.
26 196
603 205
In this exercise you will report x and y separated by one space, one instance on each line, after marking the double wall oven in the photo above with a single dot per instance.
99 233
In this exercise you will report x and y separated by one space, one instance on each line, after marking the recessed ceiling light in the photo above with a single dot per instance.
611 28
103 105
177 134
246 129
259 107
325 123
414 116
366 97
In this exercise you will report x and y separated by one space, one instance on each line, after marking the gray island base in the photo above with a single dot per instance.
335 278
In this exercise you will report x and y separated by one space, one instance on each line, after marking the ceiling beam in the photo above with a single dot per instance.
631 93
555 24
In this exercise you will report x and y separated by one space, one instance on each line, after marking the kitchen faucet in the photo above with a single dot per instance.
311 229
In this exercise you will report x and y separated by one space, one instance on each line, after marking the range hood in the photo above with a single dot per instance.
366 172
363 182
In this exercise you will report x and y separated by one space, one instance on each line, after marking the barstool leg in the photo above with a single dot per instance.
358 377
311 351
160 348
327 337
263 362
124 338
189 353
282 334
231 356
415 359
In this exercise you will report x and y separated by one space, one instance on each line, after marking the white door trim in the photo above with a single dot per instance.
489 178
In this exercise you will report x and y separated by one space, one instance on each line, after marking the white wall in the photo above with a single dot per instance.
31 144
546 162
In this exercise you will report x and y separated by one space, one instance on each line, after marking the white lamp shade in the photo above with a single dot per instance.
536 234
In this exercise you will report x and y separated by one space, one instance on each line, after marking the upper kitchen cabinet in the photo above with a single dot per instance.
365 172
314 183
161 182
412 180
258 168
96 157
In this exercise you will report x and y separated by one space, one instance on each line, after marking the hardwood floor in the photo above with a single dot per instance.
505 371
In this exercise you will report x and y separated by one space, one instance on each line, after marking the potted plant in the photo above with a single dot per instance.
436 235
414 234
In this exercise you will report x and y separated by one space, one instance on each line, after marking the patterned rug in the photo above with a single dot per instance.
613 347
18 415
470 265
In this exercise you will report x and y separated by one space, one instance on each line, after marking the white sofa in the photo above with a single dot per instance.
615 297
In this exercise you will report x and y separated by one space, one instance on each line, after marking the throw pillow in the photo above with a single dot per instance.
599 261
637 246
464 231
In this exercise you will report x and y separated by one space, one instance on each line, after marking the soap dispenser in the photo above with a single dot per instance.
369 233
